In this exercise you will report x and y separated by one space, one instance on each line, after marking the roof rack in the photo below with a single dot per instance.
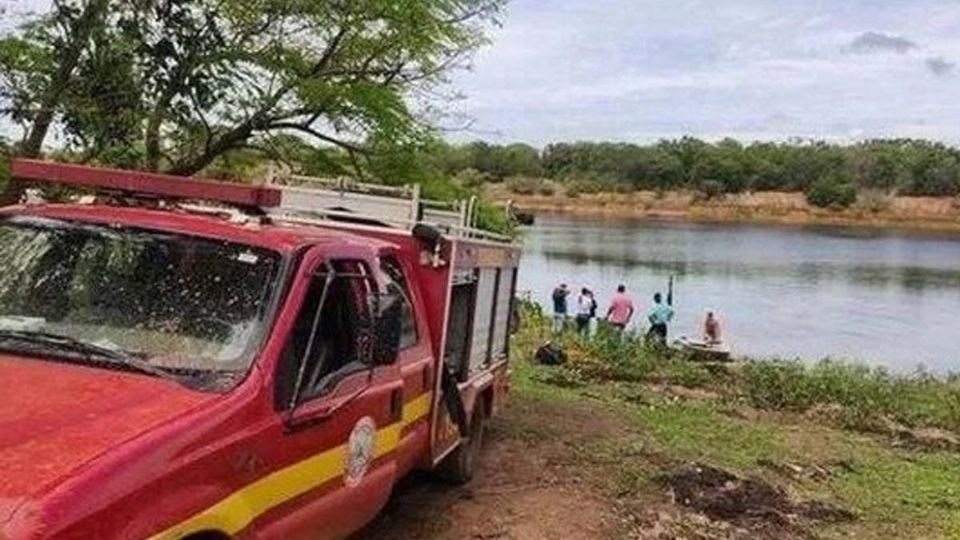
316 200
291 198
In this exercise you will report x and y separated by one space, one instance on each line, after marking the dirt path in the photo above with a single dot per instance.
546 474
528 487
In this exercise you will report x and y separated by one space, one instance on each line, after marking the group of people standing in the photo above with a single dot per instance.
618 316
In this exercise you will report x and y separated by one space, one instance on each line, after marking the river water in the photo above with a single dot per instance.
885 298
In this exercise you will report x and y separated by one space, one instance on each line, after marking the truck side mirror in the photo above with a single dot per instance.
387 330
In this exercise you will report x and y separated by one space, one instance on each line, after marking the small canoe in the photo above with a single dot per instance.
703 351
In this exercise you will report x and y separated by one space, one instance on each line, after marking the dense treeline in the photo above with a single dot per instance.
829 173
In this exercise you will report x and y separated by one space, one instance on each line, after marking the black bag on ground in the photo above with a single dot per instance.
550 354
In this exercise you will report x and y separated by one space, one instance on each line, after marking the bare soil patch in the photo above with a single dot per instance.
528 486
750 504
536 483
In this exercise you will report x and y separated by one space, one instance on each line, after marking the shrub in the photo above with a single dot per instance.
865 395
546 189
683 372
828 192
471 178
585 185
874 201
524 185
581 186
776 385
711 189
609 357
492 217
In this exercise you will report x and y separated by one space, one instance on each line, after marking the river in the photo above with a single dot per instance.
886 298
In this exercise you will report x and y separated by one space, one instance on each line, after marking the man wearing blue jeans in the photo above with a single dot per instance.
560 307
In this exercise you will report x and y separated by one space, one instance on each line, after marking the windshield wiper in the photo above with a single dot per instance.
88 350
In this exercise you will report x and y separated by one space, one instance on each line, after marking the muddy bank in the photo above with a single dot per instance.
924 213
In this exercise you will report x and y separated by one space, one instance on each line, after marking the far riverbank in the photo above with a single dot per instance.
871 210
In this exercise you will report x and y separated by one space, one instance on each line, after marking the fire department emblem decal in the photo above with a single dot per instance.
360 451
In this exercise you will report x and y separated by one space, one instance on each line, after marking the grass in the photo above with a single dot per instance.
753 417
861 397
866 396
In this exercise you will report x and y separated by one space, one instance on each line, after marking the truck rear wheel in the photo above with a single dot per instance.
460 465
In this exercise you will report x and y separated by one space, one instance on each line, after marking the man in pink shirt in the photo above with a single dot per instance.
621 309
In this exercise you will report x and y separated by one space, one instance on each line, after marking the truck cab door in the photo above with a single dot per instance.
415 359
341 406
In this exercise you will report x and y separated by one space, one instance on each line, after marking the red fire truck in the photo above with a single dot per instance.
187 359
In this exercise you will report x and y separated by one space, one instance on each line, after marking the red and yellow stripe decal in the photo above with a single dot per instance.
238 510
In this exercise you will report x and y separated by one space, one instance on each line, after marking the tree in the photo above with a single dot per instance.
885 173
38 67
831 192
519 159
45 60
656 168
219 76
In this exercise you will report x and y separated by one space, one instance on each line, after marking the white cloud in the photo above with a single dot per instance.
754 69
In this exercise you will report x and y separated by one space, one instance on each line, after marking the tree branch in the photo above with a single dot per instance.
305 128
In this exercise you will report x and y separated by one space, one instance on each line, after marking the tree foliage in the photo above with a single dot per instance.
904 166
175 85
831 192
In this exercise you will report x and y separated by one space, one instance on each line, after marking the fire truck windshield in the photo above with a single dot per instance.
178 303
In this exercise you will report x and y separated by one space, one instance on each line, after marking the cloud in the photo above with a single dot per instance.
874 42
939 66
640 70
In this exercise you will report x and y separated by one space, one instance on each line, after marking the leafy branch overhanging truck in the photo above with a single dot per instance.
187 359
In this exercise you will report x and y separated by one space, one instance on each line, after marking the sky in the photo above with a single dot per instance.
641 70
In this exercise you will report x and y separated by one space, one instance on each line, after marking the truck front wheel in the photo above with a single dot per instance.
460 465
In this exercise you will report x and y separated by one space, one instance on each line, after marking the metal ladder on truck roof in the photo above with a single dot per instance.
315 200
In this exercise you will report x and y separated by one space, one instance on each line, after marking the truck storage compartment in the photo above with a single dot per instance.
482 320
459 324
479 319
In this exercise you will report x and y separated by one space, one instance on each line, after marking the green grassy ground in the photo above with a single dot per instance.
895 492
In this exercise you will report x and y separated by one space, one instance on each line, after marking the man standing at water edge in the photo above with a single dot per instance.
621 309
586 311
560 307
659 316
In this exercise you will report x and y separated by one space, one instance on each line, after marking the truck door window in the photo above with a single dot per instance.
342 332
397 285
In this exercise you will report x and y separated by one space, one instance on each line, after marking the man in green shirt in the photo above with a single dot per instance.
660 315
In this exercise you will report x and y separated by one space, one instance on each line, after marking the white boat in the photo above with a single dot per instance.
703 351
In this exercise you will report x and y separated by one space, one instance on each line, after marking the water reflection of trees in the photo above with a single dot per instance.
912 278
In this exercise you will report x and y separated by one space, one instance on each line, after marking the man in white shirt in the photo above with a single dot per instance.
586 310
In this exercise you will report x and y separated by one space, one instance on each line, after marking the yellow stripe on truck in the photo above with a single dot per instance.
238 510
416 408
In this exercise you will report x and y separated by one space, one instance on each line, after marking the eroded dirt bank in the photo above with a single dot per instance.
923 213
